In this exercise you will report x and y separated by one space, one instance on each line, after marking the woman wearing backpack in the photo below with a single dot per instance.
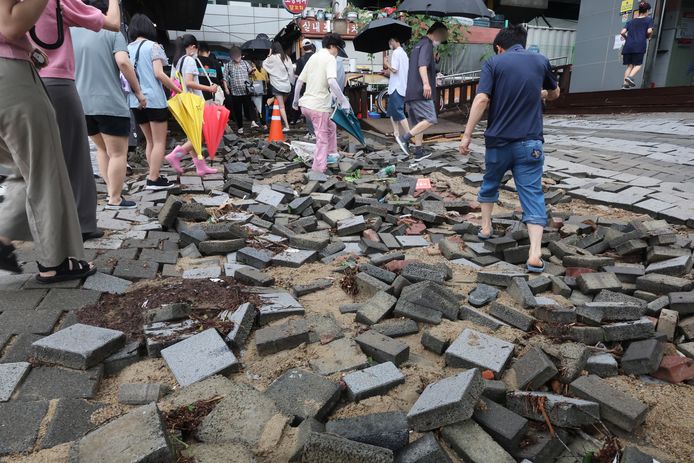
237 73
52 35
149 59
281 71
186 64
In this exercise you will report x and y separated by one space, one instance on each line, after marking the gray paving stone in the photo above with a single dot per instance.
303 394
138 436
11 374
258 258
378 272
396 327
57 383
294 258
521 293
21 299
276 306
596 313
482 295
375 380
320 448
136 270
220 247
19 425
78 346
504 426
169 212
447 401
433 296
126 356
382 348
251 276
106 283
417 312
603 365
376 308
514 317
338 356
533 369
20 349
416 272
426 449
677 266
474 349
412 241
69 299
616 407
624 331
275 338
643 357
593 283
682 302
562 411
473 444
30 321
71 421
243 318
386 429
159 256
141 393
663 284
500 275
480 318
199 357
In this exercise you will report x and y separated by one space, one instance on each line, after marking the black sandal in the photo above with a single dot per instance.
8 259
70 269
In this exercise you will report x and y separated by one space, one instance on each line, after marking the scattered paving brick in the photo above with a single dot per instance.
275 338
533 369
199 357
593 283
19 425
277 305
382 348
514 317
396 327
78 346
141 393
474 349
616 407
320 447
386 429
375 380
504 426
302 394
521 293
667 323
625 331
243 319
663 284
433 296
562 411
376 308
11 374
682 302
596 313
643 357
473 444
57 383
480 318
425 449
603 365
447 401
675 369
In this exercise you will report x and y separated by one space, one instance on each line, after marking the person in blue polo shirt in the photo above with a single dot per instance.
512 86
636 33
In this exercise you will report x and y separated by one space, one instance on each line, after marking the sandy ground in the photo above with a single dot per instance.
667 431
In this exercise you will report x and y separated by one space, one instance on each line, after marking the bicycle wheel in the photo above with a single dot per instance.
382 101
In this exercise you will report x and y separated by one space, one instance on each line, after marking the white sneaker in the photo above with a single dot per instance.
240 131
254 125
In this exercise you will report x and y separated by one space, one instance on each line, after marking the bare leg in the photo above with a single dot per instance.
627 72
535 253
117 149
487 209
147 131
101 156
420 128
634 70
283 111
158 133
396 130
405 125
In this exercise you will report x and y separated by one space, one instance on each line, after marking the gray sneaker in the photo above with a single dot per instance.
404 145
421 154
630 81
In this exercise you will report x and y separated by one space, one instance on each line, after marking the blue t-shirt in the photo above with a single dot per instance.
513 81
637 35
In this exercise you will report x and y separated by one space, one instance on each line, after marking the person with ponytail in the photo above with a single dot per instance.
186 64
281 71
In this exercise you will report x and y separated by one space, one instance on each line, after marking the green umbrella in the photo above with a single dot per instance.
348 121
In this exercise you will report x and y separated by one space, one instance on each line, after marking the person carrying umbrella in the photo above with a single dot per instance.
512 86
320 77
421 90
280 69
187 66
237 74
398 67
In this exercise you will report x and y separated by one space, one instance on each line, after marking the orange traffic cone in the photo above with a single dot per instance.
276 133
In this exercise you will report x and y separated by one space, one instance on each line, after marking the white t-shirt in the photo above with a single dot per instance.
398 80
321 67
189 66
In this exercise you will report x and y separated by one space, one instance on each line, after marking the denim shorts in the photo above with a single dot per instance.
525 159
396 107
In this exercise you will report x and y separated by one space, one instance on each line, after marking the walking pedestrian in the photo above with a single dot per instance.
99 57
281 71
238 76
398 67
211 67
39 203
149 59
309 50
320 77
637 32
421 90
512 86
59 78
261 82
187 67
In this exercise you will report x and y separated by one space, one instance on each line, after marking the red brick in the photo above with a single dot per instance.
474 206
556 222
416 229
675 369
397 265
370 234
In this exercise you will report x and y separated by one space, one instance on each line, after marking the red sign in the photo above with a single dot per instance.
312 28
295 6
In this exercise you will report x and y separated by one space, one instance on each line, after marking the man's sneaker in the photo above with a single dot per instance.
124 204
254 125
404 145
240 131
162 183
630 81
421 154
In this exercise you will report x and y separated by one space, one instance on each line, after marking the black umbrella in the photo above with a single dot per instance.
375 35
261 43
467 8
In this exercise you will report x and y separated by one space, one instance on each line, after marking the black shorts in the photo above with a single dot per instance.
108 125
276 92
144 116
634 59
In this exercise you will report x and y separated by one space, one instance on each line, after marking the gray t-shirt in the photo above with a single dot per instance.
96 72
422 55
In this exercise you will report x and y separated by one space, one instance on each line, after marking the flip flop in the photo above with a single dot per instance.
535 269
484 237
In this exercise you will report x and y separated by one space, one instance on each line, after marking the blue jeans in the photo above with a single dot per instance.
525 160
